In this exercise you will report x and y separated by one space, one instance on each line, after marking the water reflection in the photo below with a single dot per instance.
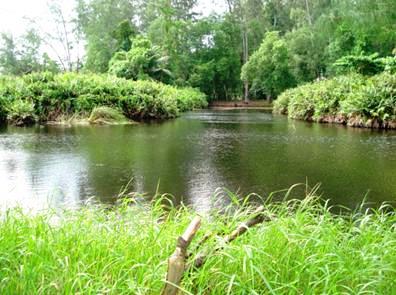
193 156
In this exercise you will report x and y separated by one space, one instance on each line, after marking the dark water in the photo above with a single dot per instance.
191 157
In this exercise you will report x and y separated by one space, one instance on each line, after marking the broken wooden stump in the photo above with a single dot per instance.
177 261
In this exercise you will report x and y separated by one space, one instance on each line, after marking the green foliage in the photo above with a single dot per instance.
216 61
54 96
21 112
124 34
23 55
268 69
143 61
316 39
344 99
362 64
281 104
302 249
103 24
389 64
3 109
376 100
106 115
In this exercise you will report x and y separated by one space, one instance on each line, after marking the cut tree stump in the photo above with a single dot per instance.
177 261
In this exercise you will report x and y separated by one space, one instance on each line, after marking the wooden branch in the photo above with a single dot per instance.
177 261
241 229
199 244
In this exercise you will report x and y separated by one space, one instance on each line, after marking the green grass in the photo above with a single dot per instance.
304 249
106 115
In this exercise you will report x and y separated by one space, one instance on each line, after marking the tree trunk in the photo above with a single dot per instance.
245 41
177 262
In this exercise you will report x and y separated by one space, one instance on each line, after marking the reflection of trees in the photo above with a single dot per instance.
155 154
342 160
191 158
43 170
245 152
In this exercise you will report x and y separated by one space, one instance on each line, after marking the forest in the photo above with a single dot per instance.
266 45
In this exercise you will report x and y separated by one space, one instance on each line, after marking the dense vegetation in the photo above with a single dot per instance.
281 43
49 97
353 99
303 249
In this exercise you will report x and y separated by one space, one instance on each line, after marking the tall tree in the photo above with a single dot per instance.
97 20
8 55
268 69
24 55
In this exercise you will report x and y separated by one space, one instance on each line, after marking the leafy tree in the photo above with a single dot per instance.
362 64
8 55
24 55
217 58
123 34
268 69
97 20
143 61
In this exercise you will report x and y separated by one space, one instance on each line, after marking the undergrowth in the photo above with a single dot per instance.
302 249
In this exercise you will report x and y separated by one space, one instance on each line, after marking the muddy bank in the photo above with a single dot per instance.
229 105
356 121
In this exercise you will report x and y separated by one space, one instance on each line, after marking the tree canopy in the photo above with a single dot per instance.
167 40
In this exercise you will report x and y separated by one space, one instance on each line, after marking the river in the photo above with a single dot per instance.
192 157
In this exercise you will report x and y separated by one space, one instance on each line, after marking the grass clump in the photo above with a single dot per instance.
60 95
106 115
303 249
353 99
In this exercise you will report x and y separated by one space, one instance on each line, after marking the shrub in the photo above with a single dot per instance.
21 112
362 64
282 102
54 96
106 115
342 99
375 100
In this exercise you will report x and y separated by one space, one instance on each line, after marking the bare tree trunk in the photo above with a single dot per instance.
245 42
308 13
68 45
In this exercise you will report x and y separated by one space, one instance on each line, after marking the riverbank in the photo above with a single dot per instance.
352 100
251 104
45 97
301 248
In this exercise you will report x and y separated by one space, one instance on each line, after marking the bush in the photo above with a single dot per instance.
365 64
21 112
106 115
376 100
282 102
362 64
54 96
344 99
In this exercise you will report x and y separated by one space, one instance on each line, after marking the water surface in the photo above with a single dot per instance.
190 157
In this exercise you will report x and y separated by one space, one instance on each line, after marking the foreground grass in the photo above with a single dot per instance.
304 249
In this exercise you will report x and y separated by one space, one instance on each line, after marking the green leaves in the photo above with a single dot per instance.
51 96
268 69
143 61
343 99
